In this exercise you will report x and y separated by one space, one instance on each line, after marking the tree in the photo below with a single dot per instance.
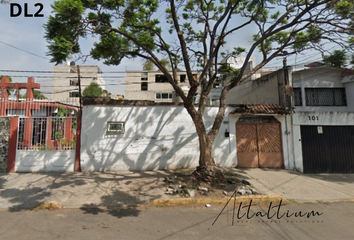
166 63
199 30
92 90
38 95
337 58
148 66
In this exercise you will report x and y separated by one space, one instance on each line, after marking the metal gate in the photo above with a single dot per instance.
328 149
259 145
46 144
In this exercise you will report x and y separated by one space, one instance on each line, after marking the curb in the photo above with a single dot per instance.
190 201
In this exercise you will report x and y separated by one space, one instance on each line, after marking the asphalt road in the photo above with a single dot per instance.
333 221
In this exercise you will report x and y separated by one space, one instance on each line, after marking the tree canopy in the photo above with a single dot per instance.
338 58
92 90
38 95
148 65
193 35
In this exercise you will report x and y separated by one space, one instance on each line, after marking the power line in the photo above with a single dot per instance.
24 50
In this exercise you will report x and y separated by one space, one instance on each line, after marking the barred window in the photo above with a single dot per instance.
114 128
163 95
297 96
325 97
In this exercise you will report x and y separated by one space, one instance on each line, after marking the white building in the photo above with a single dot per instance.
323 123
153 86
65 81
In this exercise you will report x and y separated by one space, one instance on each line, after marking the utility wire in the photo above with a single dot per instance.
23 50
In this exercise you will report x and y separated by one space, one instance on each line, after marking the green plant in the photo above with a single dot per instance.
64 142
73 143
58 135
39 147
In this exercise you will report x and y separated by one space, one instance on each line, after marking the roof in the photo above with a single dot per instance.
260 109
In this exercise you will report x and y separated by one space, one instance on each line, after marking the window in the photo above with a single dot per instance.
74 82
144 76
144 86
325 97
161 79
74 94
163 95
297 96
115 128
183 78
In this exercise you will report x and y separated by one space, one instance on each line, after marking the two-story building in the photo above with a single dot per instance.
262 121
323 122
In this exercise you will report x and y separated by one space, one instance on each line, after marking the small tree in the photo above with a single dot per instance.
38 95
148 65
337 59
92 90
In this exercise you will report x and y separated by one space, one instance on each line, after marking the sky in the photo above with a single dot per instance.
23 48
27 34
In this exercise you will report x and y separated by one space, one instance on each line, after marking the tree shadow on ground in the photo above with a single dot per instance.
118 193
127 193
21 191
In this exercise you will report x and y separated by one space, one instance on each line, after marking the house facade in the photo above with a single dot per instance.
153 86
323 122
65 85
262 108
147 135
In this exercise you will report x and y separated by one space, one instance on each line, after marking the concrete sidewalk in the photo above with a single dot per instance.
301 187
74 190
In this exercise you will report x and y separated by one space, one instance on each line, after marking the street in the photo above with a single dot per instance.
334 221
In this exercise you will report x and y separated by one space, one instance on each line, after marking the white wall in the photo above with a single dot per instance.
156 137
287 141
316 119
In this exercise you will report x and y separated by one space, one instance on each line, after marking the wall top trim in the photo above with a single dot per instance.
112 102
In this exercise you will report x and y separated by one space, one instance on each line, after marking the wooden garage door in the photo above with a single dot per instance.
259 145
328 149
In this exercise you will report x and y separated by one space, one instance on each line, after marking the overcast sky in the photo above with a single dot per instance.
27 34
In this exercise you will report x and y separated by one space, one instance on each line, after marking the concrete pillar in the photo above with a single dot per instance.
11 159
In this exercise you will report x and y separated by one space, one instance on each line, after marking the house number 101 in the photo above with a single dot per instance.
313 118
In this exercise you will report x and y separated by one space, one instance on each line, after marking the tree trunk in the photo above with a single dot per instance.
207 170
206 157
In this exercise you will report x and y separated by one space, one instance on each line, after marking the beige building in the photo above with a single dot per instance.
65 81
153 85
